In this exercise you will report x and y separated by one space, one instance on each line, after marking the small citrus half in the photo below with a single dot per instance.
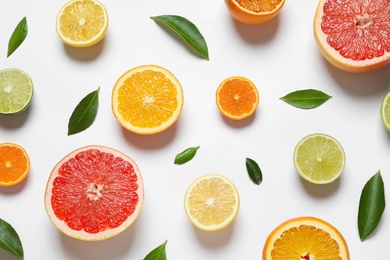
353 35
94 193
82 23
147 99
14 164
254 11
211 202
306 238
385 111
237 97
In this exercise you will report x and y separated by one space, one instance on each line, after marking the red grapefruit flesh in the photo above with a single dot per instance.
354 35
94 193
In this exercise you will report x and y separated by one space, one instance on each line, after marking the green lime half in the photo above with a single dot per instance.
16 91
385 111
319 158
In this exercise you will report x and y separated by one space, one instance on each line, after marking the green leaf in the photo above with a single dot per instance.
254 171
187 30
84 114
186 155
9 239
18 36
158 253
306 99
371 206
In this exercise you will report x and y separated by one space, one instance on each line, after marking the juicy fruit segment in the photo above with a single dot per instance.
385 111
94 193
305 238
16 91
14 164
353 35
82 23
211 202
319 158
254 12
237 98
147 99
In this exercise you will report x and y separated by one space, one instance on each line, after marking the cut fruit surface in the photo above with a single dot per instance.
385 111
353 35
147 99
82 23
305 238
16 91
94 193
254 11
237 97
211 202
319 158
14 164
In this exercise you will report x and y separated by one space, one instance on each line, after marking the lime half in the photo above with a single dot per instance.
319 158
16 91
385 111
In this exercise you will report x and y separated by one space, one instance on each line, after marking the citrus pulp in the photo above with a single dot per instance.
147 99
211 202
385 111
14 164
305 238
94 193
353 35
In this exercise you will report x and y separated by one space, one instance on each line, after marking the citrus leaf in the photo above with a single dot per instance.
9 239
371 206
84 114
186 155
254 171
18 36
306 99
158 253
187 30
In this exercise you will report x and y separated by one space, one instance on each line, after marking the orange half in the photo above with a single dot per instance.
237 97
305 238
14 164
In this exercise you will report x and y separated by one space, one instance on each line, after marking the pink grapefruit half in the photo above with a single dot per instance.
354 35
94 193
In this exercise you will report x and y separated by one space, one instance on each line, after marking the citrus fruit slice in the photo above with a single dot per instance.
237 97
16 91
254 11
353 35
14 164
94 193
82 23
147 99
385 111
319 158
305 238
211 202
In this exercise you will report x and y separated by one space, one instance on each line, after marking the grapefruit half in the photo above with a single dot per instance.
94 193
353 35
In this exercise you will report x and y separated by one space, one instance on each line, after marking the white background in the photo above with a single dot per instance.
280 56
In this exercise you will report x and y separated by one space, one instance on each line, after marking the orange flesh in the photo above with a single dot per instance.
95 191
259 6
306 242
147 99
358 30
237 97
13 164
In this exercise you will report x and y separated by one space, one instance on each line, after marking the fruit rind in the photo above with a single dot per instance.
82 235
304 220
165 125
187 209
384 103
303 175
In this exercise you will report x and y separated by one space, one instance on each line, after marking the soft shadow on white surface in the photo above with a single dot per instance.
214 239
257 33
239 123
113 248
15 188
86 54
15 121
320 190
361 84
